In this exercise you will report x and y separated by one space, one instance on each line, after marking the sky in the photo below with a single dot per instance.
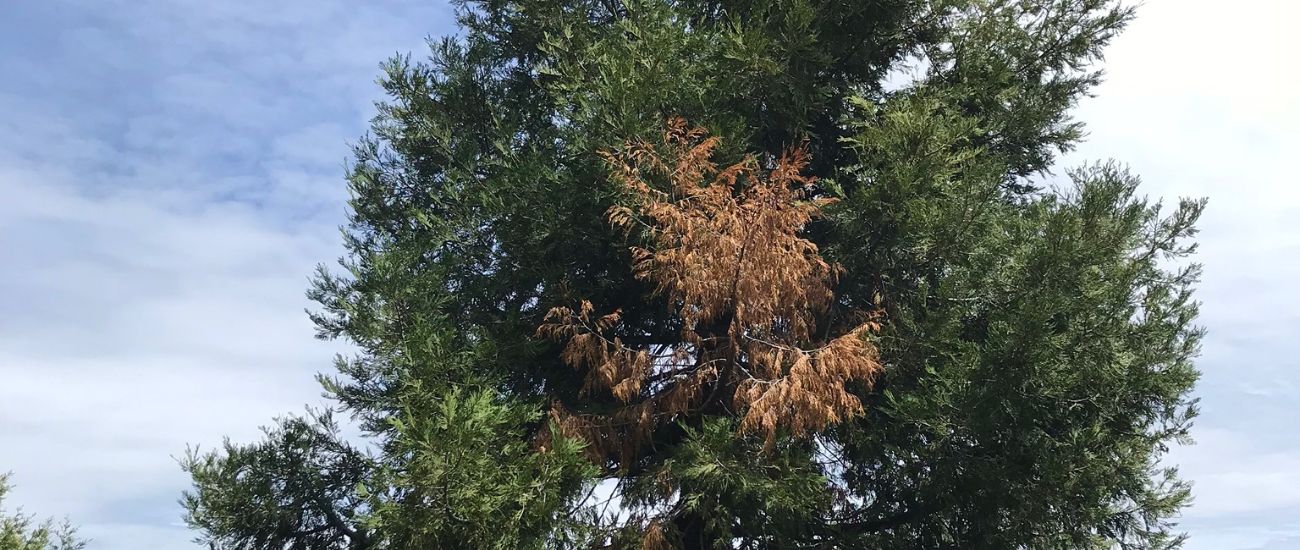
171 172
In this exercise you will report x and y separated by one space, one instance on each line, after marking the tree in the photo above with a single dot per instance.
853 312
23 532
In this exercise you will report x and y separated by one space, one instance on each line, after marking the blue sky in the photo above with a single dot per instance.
171 172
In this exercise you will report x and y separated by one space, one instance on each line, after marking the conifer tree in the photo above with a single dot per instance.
715 274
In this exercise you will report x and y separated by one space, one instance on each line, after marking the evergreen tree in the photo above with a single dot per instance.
714 274
19 531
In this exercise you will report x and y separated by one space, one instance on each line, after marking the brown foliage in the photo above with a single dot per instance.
655 538
724 249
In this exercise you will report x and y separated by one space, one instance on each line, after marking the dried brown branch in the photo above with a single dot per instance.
724 247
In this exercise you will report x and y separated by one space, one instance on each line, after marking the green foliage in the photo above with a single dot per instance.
452 471
297 488
734 485
1038 336
23 532
469 480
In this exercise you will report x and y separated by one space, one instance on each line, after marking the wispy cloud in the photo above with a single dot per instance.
171 173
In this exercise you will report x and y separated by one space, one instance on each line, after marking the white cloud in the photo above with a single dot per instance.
1247 538
135 328
172 172
1237 476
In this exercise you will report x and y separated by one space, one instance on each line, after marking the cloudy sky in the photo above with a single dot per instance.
170 172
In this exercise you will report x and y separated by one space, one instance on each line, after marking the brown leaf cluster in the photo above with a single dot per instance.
655 538
609 365
724 248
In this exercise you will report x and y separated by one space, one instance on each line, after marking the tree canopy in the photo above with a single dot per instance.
738 274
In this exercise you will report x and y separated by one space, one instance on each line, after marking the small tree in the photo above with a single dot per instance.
23 532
